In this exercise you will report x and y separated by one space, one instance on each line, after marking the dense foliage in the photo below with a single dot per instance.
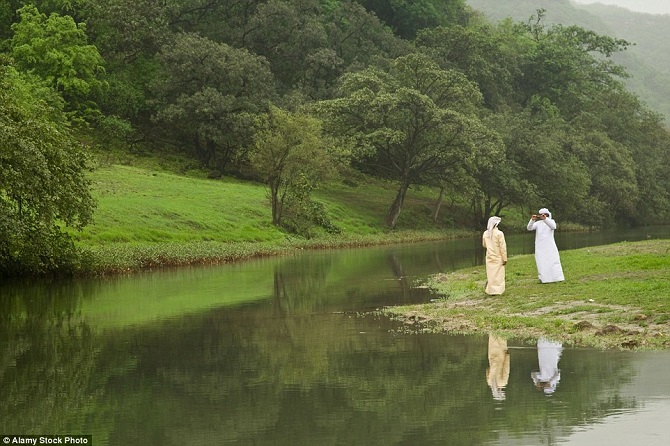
647 60
42 183
419 93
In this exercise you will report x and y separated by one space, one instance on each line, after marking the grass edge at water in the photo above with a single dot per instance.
614 296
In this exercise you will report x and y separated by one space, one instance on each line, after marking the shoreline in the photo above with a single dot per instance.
118 259
614 297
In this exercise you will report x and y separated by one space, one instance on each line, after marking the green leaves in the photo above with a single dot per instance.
42 182
292 157
209 95
414 123
55 48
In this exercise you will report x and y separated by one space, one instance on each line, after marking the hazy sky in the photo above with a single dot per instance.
648 6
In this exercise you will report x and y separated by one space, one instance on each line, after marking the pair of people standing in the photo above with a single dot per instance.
547 259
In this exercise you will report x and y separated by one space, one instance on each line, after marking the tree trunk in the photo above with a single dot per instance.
394 211
276 202
438 205
477 212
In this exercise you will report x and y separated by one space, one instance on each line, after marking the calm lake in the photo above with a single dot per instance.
288 351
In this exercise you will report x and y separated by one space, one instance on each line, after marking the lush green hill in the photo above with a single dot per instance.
149 216
648 61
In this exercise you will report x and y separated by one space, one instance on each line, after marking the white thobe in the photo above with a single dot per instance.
548 354
548 261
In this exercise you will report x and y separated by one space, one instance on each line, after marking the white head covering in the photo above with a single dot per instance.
493 222
544 211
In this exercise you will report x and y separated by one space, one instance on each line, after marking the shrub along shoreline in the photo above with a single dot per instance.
614 297
127 258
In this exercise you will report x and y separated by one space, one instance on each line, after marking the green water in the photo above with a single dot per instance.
286 351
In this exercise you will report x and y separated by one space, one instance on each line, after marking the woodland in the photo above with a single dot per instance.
647 59
294 93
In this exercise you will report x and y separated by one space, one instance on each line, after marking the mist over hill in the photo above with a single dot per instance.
647 60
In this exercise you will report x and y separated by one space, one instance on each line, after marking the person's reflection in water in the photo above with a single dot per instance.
497 374
548 354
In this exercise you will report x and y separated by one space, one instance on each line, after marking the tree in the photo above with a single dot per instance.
56 49
210 94
128 30
628 137
568 65
42 180
480 53
290 36
413 123
407 17
501 182
291 156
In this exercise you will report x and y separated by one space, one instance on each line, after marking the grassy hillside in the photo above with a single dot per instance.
148 215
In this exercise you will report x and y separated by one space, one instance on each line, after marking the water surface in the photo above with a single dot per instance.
285 351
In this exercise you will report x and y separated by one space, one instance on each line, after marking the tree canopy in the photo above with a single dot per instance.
422 93
42 180
413 123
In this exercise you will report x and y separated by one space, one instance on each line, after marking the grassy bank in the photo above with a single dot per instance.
615 296
149 216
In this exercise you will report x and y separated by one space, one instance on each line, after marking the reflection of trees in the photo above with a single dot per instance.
250 377
304 380
585 395
312 283
299 283
47 360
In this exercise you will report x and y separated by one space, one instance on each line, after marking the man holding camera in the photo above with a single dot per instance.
547 259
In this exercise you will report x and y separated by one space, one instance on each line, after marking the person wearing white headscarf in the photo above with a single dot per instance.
496 257
547 259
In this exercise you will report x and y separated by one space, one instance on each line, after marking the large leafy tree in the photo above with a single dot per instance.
210 94
633 139
42 180
413 123
291 156
479 51
539 146
568 65
501 182
407 17
125 31
290 36
56 49
359 38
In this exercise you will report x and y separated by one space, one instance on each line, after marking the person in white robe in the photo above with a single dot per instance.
548 355
493 240
547 259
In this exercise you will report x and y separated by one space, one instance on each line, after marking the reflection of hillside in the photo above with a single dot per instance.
279 362
365 278
251 377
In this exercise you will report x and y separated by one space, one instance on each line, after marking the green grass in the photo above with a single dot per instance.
149 216
613 296
139 205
